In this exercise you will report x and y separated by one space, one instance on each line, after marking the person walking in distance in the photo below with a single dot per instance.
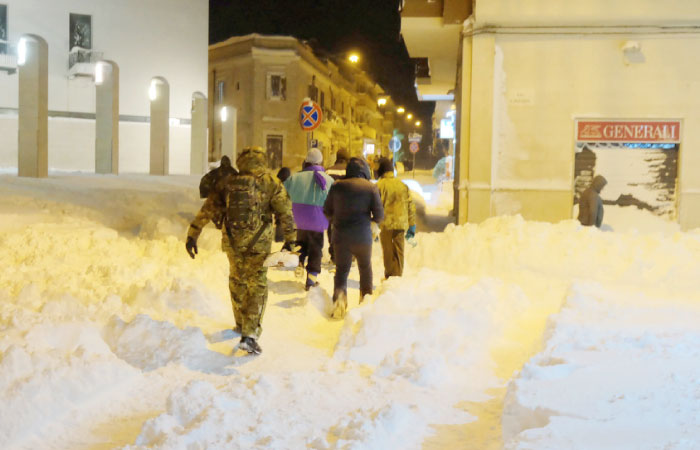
352 204
308 190
590 205
399 218
247 202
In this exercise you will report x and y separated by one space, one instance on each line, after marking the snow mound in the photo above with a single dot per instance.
618 368
56 367
228 414
148 344
433 340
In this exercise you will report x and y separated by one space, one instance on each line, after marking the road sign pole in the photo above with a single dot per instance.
414 166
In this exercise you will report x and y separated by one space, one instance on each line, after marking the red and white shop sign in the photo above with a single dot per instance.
661 131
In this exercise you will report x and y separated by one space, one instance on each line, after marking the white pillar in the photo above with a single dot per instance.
198 135
159 93
33 62
107 117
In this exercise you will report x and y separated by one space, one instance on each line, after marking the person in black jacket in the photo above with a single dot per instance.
352 204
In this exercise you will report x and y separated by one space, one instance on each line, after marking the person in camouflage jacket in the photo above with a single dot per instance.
246 254
399 218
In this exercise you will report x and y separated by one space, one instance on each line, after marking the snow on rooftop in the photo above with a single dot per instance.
113 337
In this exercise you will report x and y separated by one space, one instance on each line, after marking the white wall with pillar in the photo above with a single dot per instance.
32 62
157 37
531 68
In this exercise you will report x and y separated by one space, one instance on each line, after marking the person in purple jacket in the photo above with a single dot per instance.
308 190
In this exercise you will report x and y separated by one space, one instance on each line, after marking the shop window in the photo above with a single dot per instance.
3 29
313 92
220 91
80 31
276 86
275 145
80 39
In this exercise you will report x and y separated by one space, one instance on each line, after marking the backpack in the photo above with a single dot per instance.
244 204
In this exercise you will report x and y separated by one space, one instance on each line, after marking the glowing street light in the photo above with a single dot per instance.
223 114
409 116
381 101
417 123
152 91
22 52
99 73
400 110
354 58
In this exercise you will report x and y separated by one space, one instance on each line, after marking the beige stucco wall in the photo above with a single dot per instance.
528 87
588 12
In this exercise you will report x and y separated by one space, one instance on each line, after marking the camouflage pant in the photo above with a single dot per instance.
248 285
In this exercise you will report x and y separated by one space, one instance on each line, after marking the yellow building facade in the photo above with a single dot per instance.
265 79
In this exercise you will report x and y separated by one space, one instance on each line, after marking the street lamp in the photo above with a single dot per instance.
99 73
409 116
417 123
223 114
381 101
22 52
152 91
400 110
354 58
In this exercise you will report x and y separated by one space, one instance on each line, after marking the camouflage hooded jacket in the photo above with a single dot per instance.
252 161
399 210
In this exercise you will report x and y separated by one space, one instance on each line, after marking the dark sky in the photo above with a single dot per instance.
370 26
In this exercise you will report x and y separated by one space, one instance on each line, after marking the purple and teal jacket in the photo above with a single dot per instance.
308 190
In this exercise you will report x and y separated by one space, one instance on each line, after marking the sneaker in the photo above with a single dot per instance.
250 345
340 306
311 280
299 271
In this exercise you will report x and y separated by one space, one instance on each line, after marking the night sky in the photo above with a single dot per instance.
371 27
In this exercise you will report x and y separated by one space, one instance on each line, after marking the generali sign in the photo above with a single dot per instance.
660 131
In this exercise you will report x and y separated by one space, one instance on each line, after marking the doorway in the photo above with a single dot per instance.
274 145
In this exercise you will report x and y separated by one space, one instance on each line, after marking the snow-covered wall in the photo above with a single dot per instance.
167 38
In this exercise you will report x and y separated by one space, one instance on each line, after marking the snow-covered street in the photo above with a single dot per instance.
508 334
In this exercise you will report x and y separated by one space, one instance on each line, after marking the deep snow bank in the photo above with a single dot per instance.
619 370
110 335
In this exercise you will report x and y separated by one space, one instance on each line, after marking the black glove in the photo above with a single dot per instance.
191 247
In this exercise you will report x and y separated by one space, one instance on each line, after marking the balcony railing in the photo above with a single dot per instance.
81 62
8 57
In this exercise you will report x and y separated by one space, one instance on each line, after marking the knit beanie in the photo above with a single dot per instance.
314 156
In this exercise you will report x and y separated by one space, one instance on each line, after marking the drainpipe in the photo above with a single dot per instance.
464 106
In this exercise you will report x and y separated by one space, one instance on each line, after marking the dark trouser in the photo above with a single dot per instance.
392 249
344 251
330 240
311 243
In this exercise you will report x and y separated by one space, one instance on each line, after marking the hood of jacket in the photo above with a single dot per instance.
357 168
599 183
252 160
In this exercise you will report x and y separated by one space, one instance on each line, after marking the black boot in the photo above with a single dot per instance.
250 345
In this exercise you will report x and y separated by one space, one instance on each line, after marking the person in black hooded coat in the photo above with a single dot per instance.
352 204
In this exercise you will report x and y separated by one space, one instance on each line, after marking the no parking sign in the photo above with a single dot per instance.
413 147
310 115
